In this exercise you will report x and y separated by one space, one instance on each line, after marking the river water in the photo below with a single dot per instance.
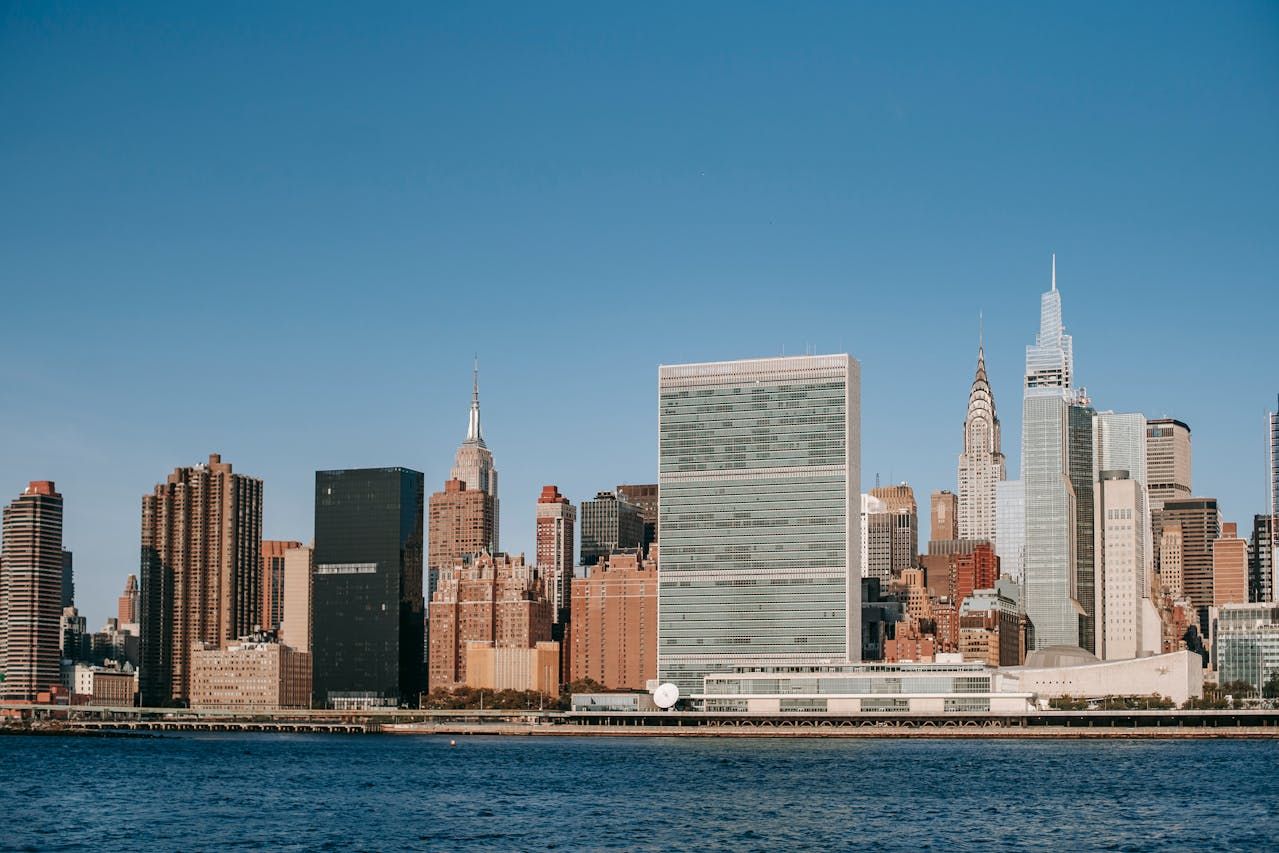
382 792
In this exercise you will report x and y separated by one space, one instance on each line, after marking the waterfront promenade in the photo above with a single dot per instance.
1262 723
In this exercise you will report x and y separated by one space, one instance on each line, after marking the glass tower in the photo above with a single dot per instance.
759 472
1051 602
367 622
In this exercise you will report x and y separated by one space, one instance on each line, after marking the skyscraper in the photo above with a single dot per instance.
1010 523
1083 478
1051 592
556 518
1261 559
1121 549
127 603
68 579
981 464
201 571
614 633
1200 523
903 524
31 592
273 552
759 465
473 464
367 623
1273 418
460 523
609 522
1229 567
1167 461
644 496
299 589
942 524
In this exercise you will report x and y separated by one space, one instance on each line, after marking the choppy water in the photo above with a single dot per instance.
317 792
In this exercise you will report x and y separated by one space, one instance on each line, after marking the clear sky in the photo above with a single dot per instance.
280 232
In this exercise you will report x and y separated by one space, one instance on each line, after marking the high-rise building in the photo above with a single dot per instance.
1229 567
1083 478
473 464
644 496
460 524
556 518
978 569
127 603
1200 524
615 623
1122 559
942 508
1262 553
1120 440
1010 522
366 607
903 523
759 465
1167 461
201 571
1273 419
273 590
1050 579
876 540
299 588
31 592
1172 572
68 579
981 464
491 598
609 522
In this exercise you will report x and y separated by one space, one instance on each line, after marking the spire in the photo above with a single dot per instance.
981 335
473 435
1054 270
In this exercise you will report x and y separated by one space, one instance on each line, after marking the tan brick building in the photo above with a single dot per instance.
460 523
498 599
490 667
255 674
272 608
614 636
1229 567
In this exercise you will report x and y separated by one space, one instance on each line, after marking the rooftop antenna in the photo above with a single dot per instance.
1054 270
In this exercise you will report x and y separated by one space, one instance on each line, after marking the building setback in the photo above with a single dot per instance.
759 465
201 571
367 611
31 593
615 623
609 523
495 599
473 465
459 525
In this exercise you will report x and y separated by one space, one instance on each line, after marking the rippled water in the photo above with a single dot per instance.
330 792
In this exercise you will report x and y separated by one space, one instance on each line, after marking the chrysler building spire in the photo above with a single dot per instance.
981 464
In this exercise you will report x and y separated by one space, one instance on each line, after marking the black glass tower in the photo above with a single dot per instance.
367 617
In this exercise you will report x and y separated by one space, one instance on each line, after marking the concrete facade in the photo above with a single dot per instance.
490 667
1177 676
31 593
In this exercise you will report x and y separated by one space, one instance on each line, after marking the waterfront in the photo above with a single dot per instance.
305 792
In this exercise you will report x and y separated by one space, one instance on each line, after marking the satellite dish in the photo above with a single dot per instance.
666 695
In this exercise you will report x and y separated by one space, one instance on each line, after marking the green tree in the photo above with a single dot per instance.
1270 690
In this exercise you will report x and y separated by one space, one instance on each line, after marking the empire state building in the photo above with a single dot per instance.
473 463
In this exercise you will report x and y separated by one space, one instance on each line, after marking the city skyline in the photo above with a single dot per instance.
557 207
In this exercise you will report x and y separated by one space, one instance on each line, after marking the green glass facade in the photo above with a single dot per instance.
759 471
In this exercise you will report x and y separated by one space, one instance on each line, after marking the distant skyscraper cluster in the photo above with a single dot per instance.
754 558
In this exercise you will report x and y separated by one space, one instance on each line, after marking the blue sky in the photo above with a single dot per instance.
280 232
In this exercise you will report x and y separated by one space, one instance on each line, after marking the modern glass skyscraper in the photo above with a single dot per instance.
1051 591
367 611
1010 528
1083 479
759 470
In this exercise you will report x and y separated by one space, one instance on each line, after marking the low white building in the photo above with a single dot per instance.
1060 671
